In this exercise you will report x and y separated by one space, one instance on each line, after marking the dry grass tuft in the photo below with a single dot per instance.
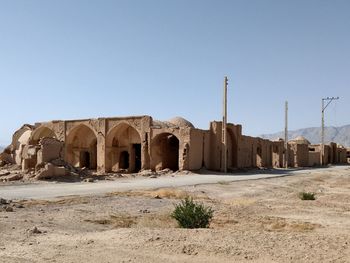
129 221
63 201
282 224
117 221
169 193
303 226
156 221
223 182
239 202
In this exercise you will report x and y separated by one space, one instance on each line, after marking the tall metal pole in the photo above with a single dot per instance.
322 133
224 130
329 99
286 137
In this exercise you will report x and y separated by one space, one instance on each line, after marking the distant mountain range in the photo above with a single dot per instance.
339 135
2 148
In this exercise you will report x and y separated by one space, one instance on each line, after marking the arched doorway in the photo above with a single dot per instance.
81 147
123 145
41 132
165 152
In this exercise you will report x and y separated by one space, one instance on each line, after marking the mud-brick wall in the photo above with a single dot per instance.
342 155
302 155
246 155
314 158
196 150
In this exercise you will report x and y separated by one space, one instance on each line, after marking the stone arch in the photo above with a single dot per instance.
81 147
41 132
165 152
123 149
232 150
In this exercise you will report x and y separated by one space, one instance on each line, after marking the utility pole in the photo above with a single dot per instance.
329 100
286 136
224 130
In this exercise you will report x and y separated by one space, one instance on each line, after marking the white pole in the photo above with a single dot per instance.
286 136
224 128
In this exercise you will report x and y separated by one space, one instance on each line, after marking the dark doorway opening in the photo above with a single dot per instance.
85 159
124 160
137 149
172 158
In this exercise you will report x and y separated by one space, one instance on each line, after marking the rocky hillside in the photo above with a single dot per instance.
340 135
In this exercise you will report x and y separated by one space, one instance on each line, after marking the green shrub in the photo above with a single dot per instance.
189 214
307 196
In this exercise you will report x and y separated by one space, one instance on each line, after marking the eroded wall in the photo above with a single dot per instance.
138 143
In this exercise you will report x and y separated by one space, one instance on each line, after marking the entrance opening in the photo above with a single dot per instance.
124 160
85 159
81 147
123 149
137 149
231 150
165 152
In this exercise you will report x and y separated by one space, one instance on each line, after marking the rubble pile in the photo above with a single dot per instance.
45 160
8 205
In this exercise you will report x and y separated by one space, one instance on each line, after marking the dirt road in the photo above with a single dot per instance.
46 190
260 220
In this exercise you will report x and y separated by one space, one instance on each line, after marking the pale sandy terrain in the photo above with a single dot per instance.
254 221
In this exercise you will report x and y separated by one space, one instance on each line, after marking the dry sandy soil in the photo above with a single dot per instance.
255 221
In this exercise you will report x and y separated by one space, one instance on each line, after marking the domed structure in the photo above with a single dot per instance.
300 140
181 122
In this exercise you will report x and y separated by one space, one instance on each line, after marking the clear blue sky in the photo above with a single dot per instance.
80 59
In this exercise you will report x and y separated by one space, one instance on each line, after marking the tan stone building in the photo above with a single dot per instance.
137 143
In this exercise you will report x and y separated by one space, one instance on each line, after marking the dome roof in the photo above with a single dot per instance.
300 140
181 122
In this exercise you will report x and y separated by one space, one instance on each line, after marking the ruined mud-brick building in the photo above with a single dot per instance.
139 143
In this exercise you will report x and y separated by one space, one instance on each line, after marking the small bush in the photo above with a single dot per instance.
189 214
307 196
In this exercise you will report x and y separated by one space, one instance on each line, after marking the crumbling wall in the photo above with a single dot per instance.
50 149
19 140
29 157
277 154
298 154
195 149
6 157
141 143
246 152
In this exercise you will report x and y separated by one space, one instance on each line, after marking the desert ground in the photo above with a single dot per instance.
260 220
